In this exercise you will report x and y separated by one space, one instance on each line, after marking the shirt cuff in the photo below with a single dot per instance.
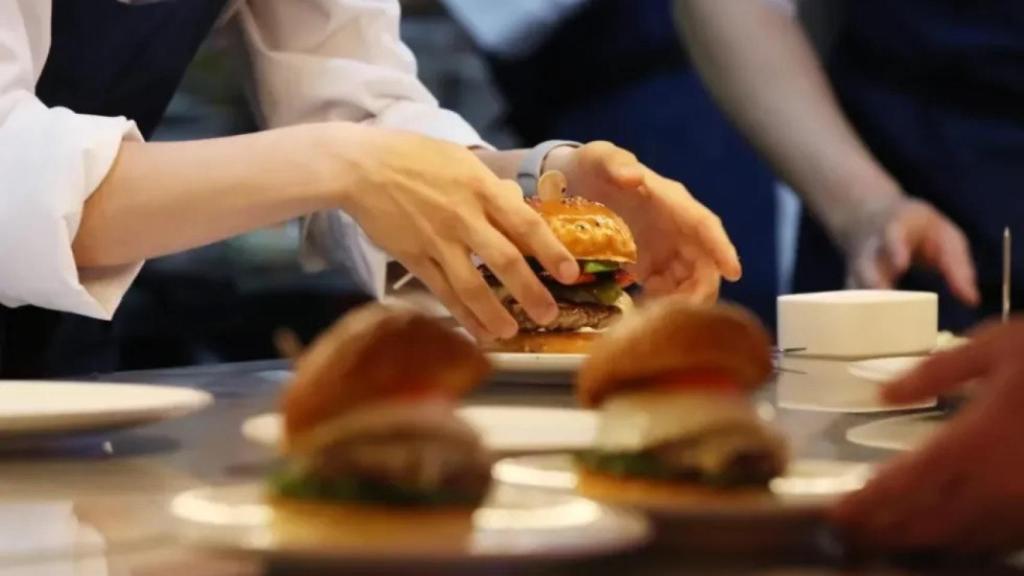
58 158
334 240
430 120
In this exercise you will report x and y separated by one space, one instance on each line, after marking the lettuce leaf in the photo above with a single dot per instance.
598 266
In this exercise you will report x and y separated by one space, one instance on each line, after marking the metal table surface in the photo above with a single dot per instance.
98 506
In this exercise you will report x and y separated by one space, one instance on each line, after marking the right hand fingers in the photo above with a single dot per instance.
433 277
528 231
471 289
510 267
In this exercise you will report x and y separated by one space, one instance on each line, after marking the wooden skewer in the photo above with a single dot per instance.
1007 273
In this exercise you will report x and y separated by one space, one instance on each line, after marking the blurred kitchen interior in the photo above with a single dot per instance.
633 86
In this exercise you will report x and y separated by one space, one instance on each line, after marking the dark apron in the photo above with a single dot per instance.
107 59
935 89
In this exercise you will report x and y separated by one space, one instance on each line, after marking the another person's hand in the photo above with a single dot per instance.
884 243
432 204
964 490
682 245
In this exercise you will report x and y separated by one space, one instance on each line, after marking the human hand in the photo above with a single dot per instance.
885 242
432 204
682 245
964 490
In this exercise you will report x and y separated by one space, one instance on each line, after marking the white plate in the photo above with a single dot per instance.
524 363
807 487
31 408
818 385
901 433
508 429
516 527
884 370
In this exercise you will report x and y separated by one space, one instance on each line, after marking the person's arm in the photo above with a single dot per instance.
762 70
161 198
51 160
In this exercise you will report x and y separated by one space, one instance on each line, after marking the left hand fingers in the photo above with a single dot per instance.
695 219
700 280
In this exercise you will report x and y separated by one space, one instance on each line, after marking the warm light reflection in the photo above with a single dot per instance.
821 482
765 411
516 474
572 513
196 507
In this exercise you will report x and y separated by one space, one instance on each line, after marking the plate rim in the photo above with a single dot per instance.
189 400
890 446
639 528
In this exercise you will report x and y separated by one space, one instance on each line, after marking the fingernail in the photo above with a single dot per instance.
550 314
568 271
509 330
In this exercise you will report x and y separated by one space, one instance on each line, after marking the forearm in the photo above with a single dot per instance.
763 71
161 198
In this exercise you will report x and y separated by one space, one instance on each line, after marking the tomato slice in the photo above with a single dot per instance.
624 279
584 278
699 379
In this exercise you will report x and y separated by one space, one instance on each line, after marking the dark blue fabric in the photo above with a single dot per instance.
608 45
112 59
616 71
934 87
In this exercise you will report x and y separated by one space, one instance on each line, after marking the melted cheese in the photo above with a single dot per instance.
434 414
636 421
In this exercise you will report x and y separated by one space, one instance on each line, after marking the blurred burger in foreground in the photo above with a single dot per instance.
672 382
603 244
370 414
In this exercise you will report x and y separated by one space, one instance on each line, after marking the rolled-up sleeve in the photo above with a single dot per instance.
317 60
51 161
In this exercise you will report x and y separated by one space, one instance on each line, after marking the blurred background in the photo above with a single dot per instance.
521 71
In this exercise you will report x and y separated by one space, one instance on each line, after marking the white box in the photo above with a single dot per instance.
859 323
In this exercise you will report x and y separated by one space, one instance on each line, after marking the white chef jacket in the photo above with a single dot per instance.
312 60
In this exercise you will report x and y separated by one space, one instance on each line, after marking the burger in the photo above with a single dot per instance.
369 416
603 244
672 385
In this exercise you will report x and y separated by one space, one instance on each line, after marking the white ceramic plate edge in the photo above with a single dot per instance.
179 401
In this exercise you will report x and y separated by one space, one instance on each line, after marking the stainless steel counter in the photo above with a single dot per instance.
97 506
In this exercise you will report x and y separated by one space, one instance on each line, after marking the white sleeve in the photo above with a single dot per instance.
316 60
512 29
51 161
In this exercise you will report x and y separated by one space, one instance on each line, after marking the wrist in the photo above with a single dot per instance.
856 200
341 154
